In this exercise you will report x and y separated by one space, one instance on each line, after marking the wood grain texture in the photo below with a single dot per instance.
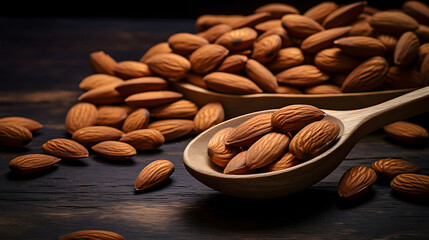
52 55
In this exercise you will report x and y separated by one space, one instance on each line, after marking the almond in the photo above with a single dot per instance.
230 83
233 64
401 78
356 181
114 150
323 89
92 234
286 58
14 135
265 49
28 123
102 63
81 115
208 116
267 25
112 116
389 41
65 148
102 95
338 78
411 184
131 69
169 65
206 21
389 168
334 60
323 39
181 108
320 11
173 129
162 47
368 76
393 22
361 46
250 20
215 32
196 79
314 139
284 89
286 161
344 15
89 136
300 26
143 84
424 70
32 163
294 117
302 76
277 10
185 43
250 131
418 10
407 132
279 31
261 76
237 165
406 50
206 58
153 98
153 174
219 153
97 80
266 150
423 33
144 139
361 27
238 39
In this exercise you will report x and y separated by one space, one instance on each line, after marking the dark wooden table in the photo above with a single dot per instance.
41 63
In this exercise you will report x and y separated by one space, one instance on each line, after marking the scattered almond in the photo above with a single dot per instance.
28 123
173 129
411 185
406 132
144 139
114 150
356 181
32 163
14 135
89 136
153 174
388 168
65 148
208 116
81 115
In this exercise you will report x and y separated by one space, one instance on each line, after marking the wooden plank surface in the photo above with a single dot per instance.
41 63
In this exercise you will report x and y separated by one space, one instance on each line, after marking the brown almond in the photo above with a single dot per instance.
267 25
423 33
361 27
361 46
393 22
138 119
14 135
286 58
389 41
196 79
287 160
144 139
32 163
208 116
411 185
114 150
334 60
250 131
173 129
29 123
338 78
131 69
237 165
214 32
281 32
314 139
284 89
154 174
344 15
266 150
181 108
323 89
207 57
219 153
250 20
65 148
277 10
169 65
259 74
407 132
206 21
105 94
356 181
302 76
233 64
112 116
266 49
323 39
294 117
424 70
401 78
368 76
238 39
97 80
143 84
230 83
92 234
388 168
320 11
102 63
89 136
162 47
153 98
81 115
300 26
406 50
418 10
185 43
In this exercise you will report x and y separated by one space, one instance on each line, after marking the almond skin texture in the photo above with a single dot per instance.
261 76
92 235
401 78
153 174
105 94
320 11
314 139
411 185
368 76
393 22
406 50
14 135
233 64
162 47
406 132
267 25
323 39
185 43
293 118
81 115
143 84
238 39
28 123
114 150
173 129
196 79
102 63
181 108
389 168
300 26
219 153
361 46
418 10
302 76
250 131
65 148
208 116
138 119
207 57
230 83
32 163
266 49
237 165
131 69
323 89
97 80
169 65
356 181
286 58
112 116
153 98
215 32
144 139
286 161
267 149
334 60
344 15
281 32
89 136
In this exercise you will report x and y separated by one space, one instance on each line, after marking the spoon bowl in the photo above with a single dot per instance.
354 124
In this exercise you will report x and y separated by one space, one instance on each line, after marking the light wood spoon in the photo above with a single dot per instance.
354 125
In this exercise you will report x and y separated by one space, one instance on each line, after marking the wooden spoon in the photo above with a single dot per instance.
354 125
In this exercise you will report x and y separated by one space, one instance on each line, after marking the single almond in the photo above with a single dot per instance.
232 64
287 160
207 57
173 129
32 163
65 148
267 25
284 89
406 50
261 76
215 32
144 139
196 79
266 49
302 76
389 41
361 46
181 108
300 26
105 94
238 39
279 31
208 116
323 39
114 150
411 185
418 10
97 80
143 84
29 123
356 181
219 153
237 165
314 139
102 63
131 69
401 78
334 60
14 135
162 47
423 33
248 132
89 136
230 83
389 168
81 115
112 116
153 98
361 27
393 22
323 89
154 174
250 20
92 234
169 65
185 43
344 15
407 132
277 10
320 11
294 117
286 58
